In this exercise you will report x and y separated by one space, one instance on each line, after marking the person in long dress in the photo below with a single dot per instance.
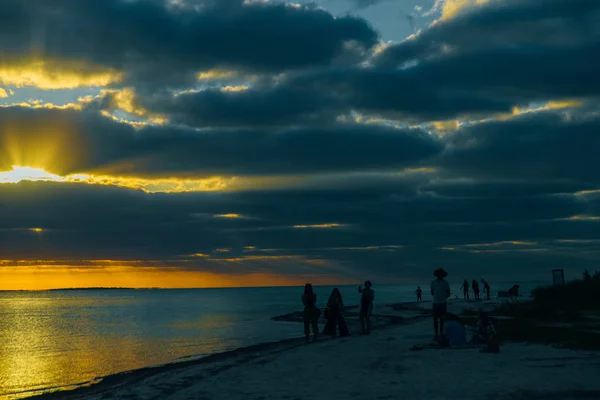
335 315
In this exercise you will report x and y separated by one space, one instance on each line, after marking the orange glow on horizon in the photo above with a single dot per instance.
41 277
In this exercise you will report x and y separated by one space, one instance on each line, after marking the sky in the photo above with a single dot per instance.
211 143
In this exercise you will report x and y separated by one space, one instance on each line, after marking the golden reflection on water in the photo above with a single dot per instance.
46 341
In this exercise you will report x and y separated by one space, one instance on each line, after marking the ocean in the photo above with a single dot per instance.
55 340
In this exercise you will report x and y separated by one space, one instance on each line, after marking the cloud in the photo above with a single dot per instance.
519 24
351 227
152 43
260 107
80 142
540 145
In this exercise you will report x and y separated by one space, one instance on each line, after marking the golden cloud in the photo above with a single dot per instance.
149 185
51 74
319 226
215 74
451 8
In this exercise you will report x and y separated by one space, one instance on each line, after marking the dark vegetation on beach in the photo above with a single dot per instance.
563 315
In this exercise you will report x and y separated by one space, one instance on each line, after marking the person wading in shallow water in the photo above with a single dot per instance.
465 288
486 289
311 313
440 290
366 307
475 287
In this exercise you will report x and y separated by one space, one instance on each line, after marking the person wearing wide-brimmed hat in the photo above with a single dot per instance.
440 290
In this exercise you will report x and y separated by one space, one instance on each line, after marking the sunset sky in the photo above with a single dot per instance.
203 143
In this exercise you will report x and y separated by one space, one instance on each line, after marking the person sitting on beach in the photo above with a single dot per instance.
335 316
311 312
440 290
465 288
475 287
486 334
454 333
366 307
419 293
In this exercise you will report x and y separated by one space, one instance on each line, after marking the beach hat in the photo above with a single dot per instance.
440 273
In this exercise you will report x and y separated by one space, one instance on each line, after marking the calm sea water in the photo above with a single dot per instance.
60 338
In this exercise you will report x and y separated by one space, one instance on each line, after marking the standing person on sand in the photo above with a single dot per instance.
465 288
311 313
366 307
335 315
475 287
440 290
419 293
486 289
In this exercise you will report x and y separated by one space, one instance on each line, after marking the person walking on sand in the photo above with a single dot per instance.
475 287
486 289
465 288
311 312
366 307
440 290
419 293
335 315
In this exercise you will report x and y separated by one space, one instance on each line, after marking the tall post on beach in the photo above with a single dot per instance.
558 276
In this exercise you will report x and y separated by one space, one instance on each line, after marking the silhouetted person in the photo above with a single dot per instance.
513 291
454 332
419 293
311 312
465 289
366 307
486 334
440 290
486 289
335 315
475 287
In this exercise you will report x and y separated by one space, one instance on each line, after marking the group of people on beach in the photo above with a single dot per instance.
487 292
449 329
465 288
334 312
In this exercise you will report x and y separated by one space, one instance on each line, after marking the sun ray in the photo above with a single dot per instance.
18 174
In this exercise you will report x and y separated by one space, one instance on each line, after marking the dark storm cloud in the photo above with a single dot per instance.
320 97
278 106
503 188
100 222
165 151
153 43
541 145
498 24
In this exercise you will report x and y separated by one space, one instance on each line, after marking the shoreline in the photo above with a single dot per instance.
292 369
103 384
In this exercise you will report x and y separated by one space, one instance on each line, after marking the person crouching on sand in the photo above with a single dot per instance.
440 290
334 314
486 334
311 312
454 333
366 307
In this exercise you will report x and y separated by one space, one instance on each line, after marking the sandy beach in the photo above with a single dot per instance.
377 366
